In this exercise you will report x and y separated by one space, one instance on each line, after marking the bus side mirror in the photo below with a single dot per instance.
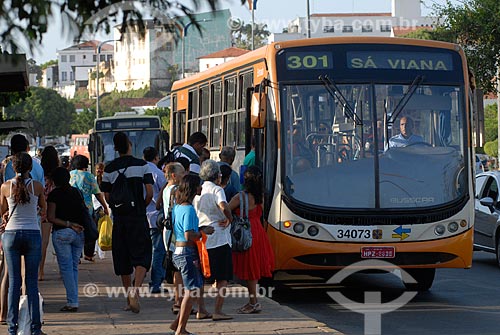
258 110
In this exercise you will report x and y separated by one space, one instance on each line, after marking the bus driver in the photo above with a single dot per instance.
406 137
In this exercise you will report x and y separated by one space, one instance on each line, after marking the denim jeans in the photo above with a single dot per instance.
68 245
15 244
186 259
157 270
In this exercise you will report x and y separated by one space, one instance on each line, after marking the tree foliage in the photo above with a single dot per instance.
50 113
491 123
83 122
243 35
30 19
475 25
163 113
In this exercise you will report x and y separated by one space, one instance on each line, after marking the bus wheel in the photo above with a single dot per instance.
424 278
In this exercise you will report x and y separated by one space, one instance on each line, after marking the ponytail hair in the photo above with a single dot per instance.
21 163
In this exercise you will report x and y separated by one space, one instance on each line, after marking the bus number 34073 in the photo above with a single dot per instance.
354 233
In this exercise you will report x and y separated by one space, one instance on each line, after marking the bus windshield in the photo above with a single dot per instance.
374 146
139 139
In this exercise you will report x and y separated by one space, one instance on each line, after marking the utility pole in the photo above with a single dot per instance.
308 18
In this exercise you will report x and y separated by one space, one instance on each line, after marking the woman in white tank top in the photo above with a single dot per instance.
20 199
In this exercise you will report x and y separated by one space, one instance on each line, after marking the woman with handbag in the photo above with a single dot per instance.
258 261
65 205
213 210
21 196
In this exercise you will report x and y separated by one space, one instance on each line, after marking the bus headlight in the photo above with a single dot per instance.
439 230
313 230
452 227
299 227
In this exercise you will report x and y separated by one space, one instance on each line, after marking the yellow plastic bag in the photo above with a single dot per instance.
105 232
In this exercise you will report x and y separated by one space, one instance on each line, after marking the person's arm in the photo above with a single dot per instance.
100 198
51 216
4 207
224 207
149 193
235 202
159 200
42 204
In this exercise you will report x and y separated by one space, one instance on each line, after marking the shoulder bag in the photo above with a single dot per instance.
241 234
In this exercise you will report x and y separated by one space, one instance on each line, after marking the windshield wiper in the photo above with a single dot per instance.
406 97
334 91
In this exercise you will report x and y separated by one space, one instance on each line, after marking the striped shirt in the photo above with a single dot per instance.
137 173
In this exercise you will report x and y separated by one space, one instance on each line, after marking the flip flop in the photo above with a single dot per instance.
203 316
221 317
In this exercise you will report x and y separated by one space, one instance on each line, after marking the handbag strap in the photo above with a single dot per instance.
243 205
13 209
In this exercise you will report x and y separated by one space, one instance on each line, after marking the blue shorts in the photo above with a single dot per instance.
188 263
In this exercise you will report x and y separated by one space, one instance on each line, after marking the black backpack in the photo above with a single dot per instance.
121 198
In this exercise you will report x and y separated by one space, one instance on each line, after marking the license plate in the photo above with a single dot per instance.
378 252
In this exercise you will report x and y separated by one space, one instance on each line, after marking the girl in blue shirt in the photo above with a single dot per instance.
186 257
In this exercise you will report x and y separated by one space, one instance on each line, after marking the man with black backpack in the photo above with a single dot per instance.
192 151
123 183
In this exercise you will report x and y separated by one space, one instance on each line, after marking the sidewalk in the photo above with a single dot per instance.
105 315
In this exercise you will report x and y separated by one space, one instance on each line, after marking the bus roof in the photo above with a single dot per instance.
261 53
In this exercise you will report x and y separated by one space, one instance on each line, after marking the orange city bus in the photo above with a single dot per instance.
341 184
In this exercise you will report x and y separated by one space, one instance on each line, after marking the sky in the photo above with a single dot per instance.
275 13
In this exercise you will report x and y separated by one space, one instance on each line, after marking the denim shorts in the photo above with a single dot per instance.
188 263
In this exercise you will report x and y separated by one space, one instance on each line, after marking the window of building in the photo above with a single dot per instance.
109 57
94 58
385 28
102 58
71 58
64 58
328 29
71 76
347 29
367 29
64 76
84 56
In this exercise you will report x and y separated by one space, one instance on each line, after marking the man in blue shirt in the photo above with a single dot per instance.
406 137
19 143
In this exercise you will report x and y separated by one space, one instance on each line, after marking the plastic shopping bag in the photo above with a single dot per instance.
105 233
24 319
203 253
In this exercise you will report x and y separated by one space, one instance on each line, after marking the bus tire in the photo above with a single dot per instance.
424 278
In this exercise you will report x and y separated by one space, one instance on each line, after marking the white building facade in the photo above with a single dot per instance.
75 63
405 17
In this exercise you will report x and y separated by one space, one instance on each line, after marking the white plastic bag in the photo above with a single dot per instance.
24 319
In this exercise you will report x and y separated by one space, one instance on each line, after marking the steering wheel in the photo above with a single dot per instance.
419 143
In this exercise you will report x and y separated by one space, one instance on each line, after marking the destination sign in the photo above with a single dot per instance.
315 60
412 61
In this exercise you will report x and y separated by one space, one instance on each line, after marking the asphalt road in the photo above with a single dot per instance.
460 302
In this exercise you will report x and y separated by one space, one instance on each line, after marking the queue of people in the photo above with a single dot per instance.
37 201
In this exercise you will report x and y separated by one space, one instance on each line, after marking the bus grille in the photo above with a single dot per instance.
401 259
363 217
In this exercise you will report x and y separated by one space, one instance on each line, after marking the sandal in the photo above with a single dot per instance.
68 309
203 316
250 309
89 259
